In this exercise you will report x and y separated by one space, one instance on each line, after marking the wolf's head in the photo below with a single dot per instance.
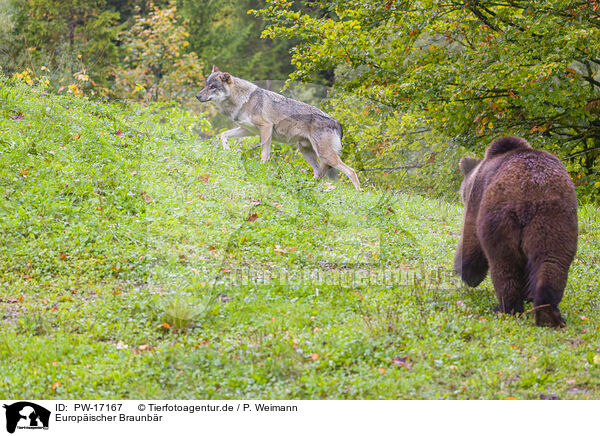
217 87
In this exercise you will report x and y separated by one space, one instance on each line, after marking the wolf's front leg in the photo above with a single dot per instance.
266 132
238 132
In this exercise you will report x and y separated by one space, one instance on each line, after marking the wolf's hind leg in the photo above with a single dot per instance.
349 172
311 157
329 147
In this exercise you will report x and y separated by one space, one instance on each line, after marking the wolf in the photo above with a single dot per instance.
258 111
520 221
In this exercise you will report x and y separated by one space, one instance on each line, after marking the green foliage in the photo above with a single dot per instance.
223 33
391 150
470 70
60 36
157 66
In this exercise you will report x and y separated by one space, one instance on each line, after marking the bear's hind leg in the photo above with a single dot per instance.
550 243
547 283
500 234
509 284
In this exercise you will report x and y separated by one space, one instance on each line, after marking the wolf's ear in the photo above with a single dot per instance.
467 164
215 69
226 77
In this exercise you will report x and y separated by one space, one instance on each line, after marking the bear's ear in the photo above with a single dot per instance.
467 164
215 69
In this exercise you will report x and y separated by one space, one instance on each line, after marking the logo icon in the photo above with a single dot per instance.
26 415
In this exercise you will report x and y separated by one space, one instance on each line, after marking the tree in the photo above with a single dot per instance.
61 36
158 65
471 69
223 33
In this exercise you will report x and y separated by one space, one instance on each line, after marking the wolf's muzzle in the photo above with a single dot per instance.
201 97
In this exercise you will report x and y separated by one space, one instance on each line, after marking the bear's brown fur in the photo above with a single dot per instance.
520 218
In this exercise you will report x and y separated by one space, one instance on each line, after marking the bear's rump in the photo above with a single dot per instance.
499 231
528 231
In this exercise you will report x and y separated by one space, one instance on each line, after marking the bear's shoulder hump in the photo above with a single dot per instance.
506 144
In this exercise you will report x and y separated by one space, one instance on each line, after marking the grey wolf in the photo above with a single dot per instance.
520 219
258 111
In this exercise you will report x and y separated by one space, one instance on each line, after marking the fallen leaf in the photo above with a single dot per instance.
121 345
253 217
165 325
212 249
147 198
224 298
204 177
118 132
382 370
225 270
314 356
19 116
510 398
405 362
390 210
279 250
76 136
143 347
55 385
584 318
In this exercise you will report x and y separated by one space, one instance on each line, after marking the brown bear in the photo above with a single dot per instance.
520 218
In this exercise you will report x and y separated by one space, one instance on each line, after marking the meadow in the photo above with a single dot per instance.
138 261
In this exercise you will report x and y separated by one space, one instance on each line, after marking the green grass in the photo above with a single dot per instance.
137 261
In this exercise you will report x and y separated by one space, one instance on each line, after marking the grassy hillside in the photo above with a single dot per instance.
139 262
